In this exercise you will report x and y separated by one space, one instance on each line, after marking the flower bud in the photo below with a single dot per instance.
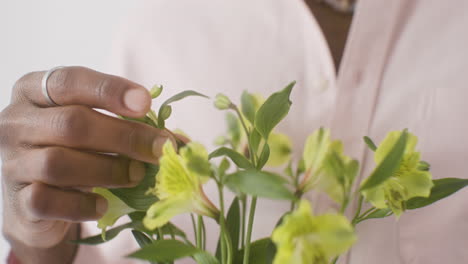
166 112
222 102
156 91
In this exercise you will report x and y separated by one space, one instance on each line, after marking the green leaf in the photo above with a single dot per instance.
205 258
379 213
255 139
239 159
173 99
232 226
233 223
136 197
110 234
264 156
389 165
260 252
248 106
442 188
165 250
259 183
370 143
141 238
275 108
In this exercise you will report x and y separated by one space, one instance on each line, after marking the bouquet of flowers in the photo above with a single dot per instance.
400 181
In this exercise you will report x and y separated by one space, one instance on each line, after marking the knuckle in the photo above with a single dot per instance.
105 88
5 125
130 139
51 166
37 202
71 123
76 209
18 87
61 79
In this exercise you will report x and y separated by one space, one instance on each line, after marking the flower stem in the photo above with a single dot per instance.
361 199
226 243
244 218
251 152
194 226
199 232
203 234
249 230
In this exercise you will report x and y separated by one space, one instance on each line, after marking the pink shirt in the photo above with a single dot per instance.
404 67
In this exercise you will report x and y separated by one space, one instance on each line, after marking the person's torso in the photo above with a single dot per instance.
403 67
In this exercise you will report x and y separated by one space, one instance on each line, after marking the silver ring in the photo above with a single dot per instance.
45 91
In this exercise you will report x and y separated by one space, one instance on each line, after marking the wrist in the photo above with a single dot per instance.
64 252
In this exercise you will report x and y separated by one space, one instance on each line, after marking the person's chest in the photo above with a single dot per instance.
403 67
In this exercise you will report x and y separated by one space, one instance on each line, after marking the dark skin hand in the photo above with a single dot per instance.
53 156
335 26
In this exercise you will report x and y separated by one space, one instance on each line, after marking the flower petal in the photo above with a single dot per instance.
173 177
316 148
280 149
335 234
417 183
376 196
390 140
116 208
162 211
195 157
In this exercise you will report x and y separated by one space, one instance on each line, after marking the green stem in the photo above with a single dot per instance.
194 226
358 212
252 154
222 225
199 232
244 217
344 205
203 234
249 230
160 234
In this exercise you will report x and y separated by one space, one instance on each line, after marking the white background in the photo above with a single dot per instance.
37 35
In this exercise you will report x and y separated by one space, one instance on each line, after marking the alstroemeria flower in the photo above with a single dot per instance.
304 238
179 185
280 149
327 168
409 181
116 208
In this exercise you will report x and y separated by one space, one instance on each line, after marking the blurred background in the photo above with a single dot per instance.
37 35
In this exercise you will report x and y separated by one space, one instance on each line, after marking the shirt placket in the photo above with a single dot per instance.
374 31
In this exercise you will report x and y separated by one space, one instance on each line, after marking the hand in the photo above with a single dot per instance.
53 156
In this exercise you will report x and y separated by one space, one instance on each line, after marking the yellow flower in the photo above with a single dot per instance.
116 208
304 238
179 185
326 166
280 149
410 179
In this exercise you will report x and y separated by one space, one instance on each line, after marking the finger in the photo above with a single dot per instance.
65 167
83 128
44 202
83 86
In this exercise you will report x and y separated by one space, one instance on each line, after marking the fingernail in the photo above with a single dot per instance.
101 205
137 99
136 171
158 144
